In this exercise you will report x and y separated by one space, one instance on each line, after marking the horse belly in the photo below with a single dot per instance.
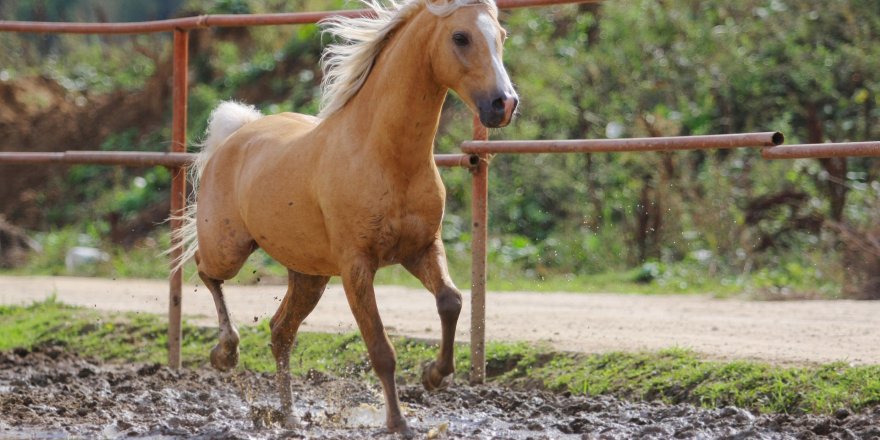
294 238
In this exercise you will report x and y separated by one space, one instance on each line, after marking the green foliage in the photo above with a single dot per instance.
692 68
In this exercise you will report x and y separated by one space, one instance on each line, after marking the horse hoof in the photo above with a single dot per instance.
401 428
432 380
223 358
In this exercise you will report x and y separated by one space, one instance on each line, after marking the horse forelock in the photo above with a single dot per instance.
347 64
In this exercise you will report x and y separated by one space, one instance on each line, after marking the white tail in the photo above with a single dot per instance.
226 119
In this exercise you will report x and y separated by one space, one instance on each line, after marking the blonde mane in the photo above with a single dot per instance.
347 64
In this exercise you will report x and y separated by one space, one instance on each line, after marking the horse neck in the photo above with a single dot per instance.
399 105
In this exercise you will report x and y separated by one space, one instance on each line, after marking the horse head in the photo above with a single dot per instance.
467 48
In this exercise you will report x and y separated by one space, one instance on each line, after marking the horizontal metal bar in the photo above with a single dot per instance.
804 151
456 160
219 20
171 160
618 145
126 158
185 23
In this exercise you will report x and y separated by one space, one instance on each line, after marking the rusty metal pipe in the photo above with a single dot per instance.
125 158
170 160
180 81
242 20
456 160
804 151
220 20
767 139
185 23
479 241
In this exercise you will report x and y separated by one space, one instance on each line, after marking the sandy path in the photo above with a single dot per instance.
791 332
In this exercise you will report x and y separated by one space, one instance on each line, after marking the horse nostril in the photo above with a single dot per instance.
498 104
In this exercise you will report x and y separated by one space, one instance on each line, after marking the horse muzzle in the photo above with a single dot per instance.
497 111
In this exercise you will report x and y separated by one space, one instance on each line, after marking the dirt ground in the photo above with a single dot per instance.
50 393
786 332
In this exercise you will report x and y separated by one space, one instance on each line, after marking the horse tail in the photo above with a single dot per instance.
225 120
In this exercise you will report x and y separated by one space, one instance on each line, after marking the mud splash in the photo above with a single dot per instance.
49 393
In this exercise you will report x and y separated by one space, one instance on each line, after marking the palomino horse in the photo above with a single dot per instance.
355 189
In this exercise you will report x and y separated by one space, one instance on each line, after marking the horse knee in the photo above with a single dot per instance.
449 303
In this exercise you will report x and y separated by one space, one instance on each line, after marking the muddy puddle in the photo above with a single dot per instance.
56 395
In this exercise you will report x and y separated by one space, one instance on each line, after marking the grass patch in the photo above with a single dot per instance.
670 376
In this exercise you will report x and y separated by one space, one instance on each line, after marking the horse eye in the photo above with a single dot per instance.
460 39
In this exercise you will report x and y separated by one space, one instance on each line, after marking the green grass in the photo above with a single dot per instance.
677 375
671 376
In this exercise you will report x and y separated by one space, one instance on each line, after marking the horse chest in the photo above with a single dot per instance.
406 226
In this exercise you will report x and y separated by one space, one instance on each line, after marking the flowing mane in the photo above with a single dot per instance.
347 64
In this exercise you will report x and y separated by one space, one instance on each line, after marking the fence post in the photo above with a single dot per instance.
479 224
178 189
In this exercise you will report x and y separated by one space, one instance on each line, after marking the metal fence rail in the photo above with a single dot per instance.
221 20
672 143
170 160
818 151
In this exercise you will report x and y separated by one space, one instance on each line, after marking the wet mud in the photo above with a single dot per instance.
49 393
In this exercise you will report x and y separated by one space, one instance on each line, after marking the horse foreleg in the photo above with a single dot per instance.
224 355
430 268
303 293
357 280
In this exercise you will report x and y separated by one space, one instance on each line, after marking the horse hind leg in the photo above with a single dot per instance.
224 355
219 259
303 293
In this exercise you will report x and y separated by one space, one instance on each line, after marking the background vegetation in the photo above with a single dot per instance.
717 221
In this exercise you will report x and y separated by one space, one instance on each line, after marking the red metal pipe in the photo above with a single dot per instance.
220 20
170 160
456 160
767 139
180 83
479 241
241 20
126 158
803 151
185 23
